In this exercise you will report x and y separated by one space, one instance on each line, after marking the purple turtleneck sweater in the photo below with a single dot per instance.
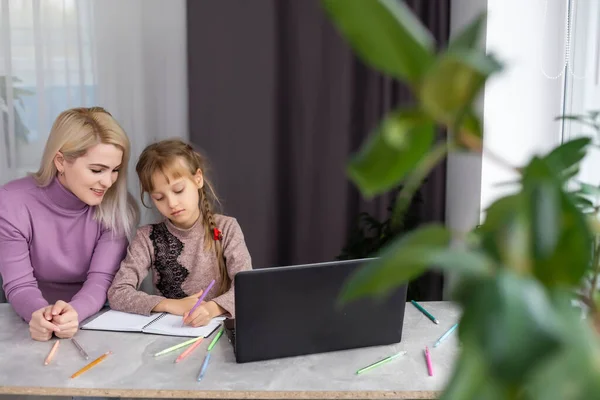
52 248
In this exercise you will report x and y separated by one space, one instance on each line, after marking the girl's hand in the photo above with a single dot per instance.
203 314
178 306
200 317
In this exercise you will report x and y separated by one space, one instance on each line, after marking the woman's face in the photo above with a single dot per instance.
91 175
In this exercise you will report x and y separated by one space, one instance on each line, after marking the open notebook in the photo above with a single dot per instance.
157 323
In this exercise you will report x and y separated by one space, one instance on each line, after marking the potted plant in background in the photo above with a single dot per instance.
525 265
369 235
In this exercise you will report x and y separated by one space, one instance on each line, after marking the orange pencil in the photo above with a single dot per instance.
189 350
92 364
52 352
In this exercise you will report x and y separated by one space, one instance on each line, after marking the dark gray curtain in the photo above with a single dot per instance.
278 102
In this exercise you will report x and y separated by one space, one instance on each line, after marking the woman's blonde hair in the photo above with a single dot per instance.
166 157
73 133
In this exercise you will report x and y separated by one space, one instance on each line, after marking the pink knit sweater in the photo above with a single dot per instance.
180 263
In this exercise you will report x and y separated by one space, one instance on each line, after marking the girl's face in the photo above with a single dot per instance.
90 176
178 198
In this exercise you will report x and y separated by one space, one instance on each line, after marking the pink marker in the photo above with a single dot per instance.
428 359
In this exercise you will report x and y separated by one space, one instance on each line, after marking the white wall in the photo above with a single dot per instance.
518 105
521 102
463 183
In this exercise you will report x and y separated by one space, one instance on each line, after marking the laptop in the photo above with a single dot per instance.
293 310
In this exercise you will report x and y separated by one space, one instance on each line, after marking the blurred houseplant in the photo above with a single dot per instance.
369 235
520 271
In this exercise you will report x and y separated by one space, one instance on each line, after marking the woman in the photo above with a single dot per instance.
64 230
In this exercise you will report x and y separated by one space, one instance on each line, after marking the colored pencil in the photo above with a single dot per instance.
91 365
201 299
52 352
81 350
189 350
428 360
380 362
445 335
424 311
216 339
204 366
177 346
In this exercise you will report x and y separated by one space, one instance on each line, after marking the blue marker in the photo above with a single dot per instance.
204 365
445 335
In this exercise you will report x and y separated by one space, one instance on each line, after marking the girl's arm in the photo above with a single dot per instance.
237 258
124 294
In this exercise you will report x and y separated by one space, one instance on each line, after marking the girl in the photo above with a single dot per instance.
186 251
63 230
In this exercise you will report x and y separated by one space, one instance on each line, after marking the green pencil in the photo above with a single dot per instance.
214 341
378 363
424 311
177 346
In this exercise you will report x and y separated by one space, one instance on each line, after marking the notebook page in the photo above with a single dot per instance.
171 325
120 321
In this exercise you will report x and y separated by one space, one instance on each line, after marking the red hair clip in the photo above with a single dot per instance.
217 235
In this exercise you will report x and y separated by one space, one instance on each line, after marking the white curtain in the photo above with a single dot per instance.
128 56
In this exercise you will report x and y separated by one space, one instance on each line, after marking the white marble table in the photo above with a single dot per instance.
132 371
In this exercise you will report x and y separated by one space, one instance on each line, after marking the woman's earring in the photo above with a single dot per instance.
62 173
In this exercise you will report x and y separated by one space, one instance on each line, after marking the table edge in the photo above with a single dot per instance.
219 394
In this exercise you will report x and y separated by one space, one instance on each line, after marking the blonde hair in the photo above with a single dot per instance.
166 156
73 133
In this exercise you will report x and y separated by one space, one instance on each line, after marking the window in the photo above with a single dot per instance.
46 65
582 94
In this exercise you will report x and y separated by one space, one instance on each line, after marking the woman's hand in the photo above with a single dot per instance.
40 326
66 318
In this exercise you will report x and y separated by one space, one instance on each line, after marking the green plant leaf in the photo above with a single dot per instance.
408 257
539 230
582 202
454 81
399 143
574 372
582 119
470 378
469 37
386 35
560 234
591 190
467 263
398 262
471 124
565 159
574 250
511 321
414 180
505 233
543 193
